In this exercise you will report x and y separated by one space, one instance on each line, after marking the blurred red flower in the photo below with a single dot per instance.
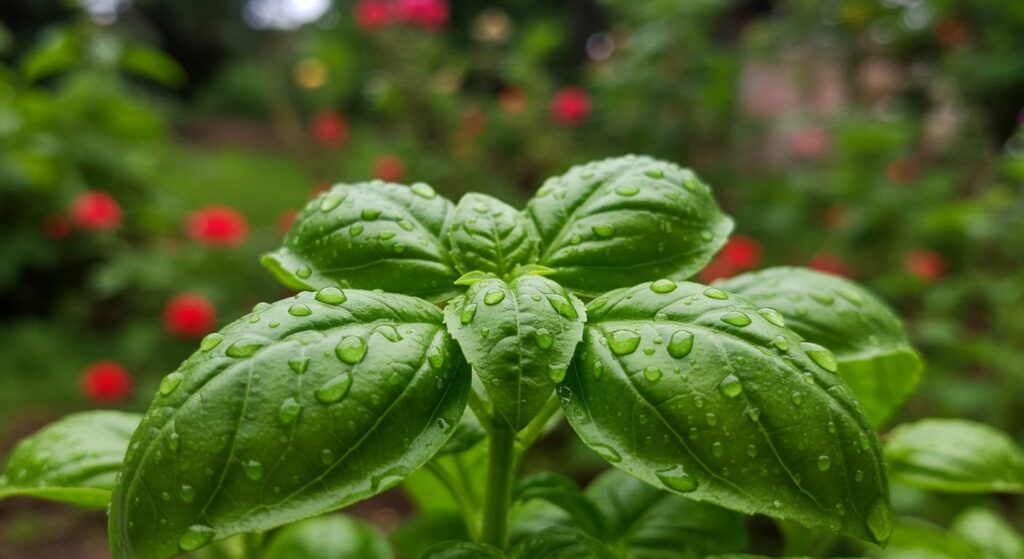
284 222
56 226
96 211
372 14
389 168
830 264
217 225
570 106
740 254
330 128
512 99
927 265
106 382
189 315
431 14
810 142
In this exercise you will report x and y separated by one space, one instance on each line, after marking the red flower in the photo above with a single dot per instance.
927 265
106 382
717 269
389 168
810 142
372 14
189 316
287 217
330 129
431 14
512 99
830 264
96 211
57 226
217 225
570 106
738 255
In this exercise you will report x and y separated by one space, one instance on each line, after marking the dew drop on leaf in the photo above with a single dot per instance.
654 173
677 479
289 411
331 200
334 389
494 296
304 272
211 341
243 348
467 313
880 519
196 536
627 190
299 310
824 463
187 493
715 293
797 398
711 419
607 452
170 383
820 355
331 296
556 373
298 365
253 470
326 457
751 450
652 373
351 350
370 214
603 231
423 190
730 386
663 286
717 449
780 342
435 357
623 342
680 344
389 332
736 318
356 229
773 316
544 338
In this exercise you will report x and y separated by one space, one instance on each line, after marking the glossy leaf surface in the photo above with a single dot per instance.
875 357
370 236
329 537
519 337
74 460
700 392
619 221
488 235
563 493
303 406
956 456
562 543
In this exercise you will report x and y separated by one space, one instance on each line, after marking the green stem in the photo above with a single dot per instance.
500 473
461 496
252 544
535 428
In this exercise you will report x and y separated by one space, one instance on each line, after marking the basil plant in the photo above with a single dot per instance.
755 395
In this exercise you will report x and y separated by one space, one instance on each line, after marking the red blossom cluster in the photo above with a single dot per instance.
427 14
740 254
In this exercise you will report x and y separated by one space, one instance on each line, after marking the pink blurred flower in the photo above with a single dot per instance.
330 128
106 382
830 264
928 265
570 106
372 14
389 167
217 226
810 142
190 315
430 14
96 211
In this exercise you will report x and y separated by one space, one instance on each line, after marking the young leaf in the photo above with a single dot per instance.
563 493
490 236
562 543
654 524
619 221
702 393
955 456
73 460
462 550
303 406
989 533
370 236
329 537
519 337
874 356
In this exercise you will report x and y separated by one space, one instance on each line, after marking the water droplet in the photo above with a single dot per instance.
858 476
780 342
331 296
331 200
715 293
717 449
170 383
680 344
435 357
677 479
351 350
405 225
196 536
880 519
356 229
556 373
598 368
423 190
663 286
389 332
597 304
544 338
289 411
654 173
298 365
736 318
831 426
754 414
603 231
576 239
467 313
326 457
824 463
494 296
623 342
334 389
399 248
173 441
711 419
822 297
187 493
370 214
730 386
211 341
385 235
627 190
649 351
706 235
243 348
299 310
797 398
253 470
564 307
773 316
820 355
304 272
652 373
607 452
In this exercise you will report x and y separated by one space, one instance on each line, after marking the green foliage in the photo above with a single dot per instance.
329 537
489 236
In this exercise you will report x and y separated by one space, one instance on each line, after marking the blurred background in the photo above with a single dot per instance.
150 150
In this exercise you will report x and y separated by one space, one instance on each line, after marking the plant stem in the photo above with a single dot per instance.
535 429
461 496
500 473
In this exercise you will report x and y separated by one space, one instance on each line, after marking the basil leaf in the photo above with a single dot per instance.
302 407
875 358
462 550
519 337
955 456
416 535
73 460
654 524
329 537
916 539
698 392
467 434
562 543
563 493
619 221
488 235
989 533
370 236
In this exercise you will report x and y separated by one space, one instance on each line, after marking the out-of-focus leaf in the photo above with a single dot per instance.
329 537
989 533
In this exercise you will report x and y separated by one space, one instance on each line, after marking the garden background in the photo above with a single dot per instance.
150 151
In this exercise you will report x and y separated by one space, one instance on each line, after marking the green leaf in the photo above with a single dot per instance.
490 236
563 493
696 391
153 64
654 524
329 537
304 406
462 550
73 460
519 337
467 434
955 456
875 358
619 221
416 535
989 533
562 543
916 539
372 235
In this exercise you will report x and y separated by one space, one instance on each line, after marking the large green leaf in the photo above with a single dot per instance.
372 235
619 221
519 337
74 460
563 493
653 524
956 456
702 393
462 550
989 533
916 539
875 357
562 543
490 236
329 537
301 407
